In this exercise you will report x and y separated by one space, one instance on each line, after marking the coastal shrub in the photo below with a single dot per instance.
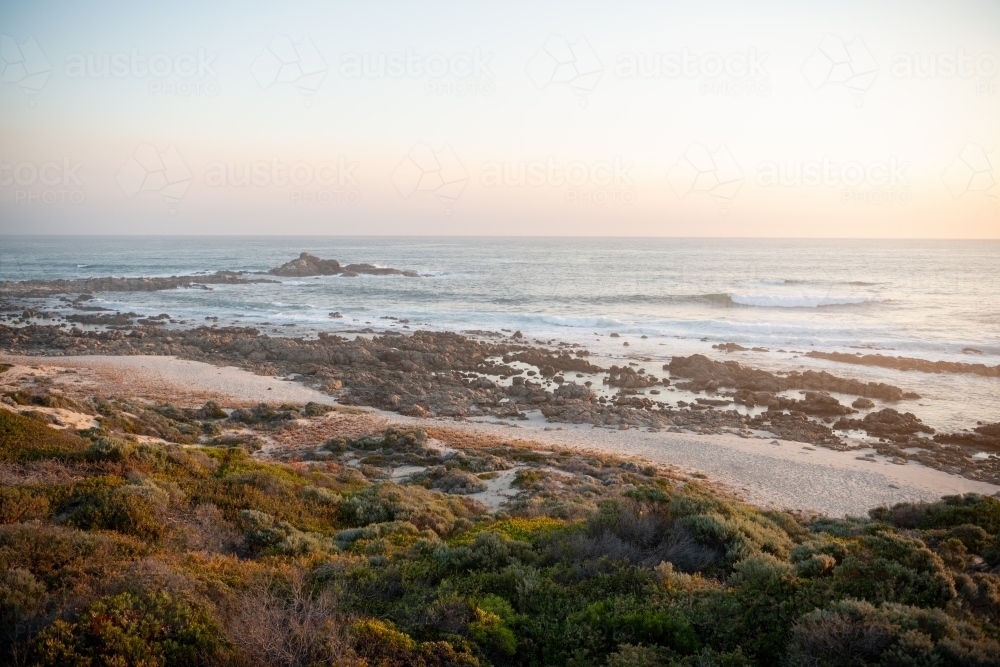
385 536
283 621
241 484
648 494
381 644
620 620
24 397
132 629
22 596
111 449
211 410
488 552
950 511
887 567
738 537
625 531
598 561
853 632
266 416
267 536
516 528
761 572
489 629
25 503
526 478
130 510
382 502
61 557
459 482
25 439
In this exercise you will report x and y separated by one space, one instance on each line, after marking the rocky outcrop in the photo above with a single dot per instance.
707 374
908 363
815 403
311 265
307 265
45 288
887 423
984 437
372 270
628 378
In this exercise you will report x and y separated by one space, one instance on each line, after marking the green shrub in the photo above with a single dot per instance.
892 568
26 439
949 512
24 503
852 632
129 510
383 646
131 629
21 596
265 535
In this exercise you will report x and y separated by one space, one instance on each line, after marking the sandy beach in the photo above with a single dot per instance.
765 471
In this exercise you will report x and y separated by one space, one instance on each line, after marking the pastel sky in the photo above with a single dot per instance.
832 119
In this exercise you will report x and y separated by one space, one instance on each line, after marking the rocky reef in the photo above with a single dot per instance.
87 286
707 374
907 363
310 265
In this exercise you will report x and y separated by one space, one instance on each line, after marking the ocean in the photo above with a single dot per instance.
936 300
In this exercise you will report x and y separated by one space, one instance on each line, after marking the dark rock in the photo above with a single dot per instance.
307 265
704 372
908 363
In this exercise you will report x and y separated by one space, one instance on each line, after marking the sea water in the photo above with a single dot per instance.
936 300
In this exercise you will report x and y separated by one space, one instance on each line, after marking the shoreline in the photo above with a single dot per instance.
782 476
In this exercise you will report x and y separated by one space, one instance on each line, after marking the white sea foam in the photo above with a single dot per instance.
799 300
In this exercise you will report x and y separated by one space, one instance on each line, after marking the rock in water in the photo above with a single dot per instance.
307 265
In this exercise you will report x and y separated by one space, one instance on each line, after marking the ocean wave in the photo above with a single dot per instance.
798 300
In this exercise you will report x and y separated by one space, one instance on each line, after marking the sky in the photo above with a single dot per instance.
767 119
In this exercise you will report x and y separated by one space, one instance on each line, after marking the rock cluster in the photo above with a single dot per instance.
985 437
628 378
815 402
311 265
45 288
908 363
886 423
707 374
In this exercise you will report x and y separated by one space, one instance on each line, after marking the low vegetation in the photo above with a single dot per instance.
190 547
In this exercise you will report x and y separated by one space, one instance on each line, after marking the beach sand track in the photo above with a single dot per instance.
786 475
